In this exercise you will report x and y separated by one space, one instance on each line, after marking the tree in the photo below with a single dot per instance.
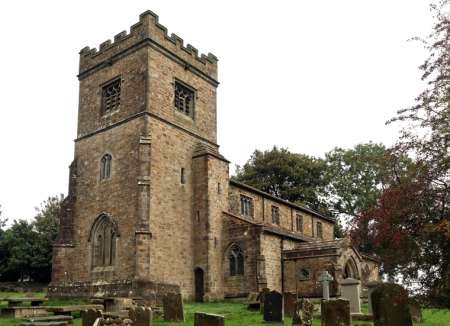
46 226
413 213
294 177
26 247
356 179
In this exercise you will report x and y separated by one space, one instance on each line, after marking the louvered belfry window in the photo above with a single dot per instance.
184 99
111 96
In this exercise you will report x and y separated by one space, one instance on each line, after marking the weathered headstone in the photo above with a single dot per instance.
303 314
290 303
262 297
325 278
336 313
416 311
173 307
273 307
252 301
141 316
204 319
390 305
89 316
350 290
370 287
117 304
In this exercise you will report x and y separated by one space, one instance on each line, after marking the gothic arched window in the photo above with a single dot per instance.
103 236
236 260
105 166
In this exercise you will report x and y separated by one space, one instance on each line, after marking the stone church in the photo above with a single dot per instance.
151 208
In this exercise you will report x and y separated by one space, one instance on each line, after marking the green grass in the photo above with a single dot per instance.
236 314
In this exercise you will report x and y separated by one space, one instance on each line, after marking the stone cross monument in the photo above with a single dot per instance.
325 279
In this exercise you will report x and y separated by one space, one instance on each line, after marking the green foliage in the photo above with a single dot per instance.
412 215
26 247
295 177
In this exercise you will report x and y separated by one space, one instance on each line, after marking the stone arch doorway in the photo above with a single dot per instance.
199 284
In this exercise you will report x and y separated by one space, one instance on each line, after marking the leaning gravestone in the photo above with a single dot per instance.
204 319
173 307
390 306
262 297
89 316
336 313
350 291
303 314
141 316
273 307
290 303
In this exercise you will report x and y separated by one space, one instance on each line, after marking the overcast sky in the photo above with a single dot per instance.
306 75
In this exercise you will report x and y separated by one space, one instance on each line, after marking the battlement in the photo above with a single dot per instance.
148 31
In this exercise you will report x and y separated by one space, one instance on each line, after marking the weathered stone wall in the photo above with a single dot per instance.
133 73
115 196
162 75
262 213
247 237
310 287
271 250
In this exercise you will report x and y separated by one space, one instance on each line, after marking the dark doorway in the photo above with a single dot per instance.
199 285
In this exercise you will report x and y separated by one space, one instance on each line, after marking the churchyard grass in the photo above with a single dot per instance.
236 314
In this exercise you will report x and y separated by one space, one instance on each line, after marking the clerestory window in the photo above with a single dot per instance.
319 230
246 206
299 223
275 215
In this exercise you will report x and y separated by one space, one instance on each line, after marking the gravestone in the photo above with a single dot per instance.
173 307
350 290
252 301
416 311
273 307
118 304
370 287
262 297
290 303
204 319
303 314
325 278
89 316
390 305
141 316
336 313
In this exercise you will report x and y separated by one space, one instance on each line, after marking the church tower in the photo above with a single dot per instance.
148 184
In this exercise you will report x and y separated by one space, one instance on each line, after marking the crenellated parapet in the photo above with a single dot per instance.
148 31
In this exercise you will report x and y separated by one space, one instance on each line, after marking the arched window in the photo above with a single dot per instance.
103 236
236 259
105 166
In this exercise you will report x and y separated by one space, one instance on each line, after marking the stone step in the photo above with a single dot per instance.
44 323
55 318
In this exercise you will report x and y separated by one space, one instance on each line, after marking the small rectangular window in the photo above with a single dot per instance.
319 230
246 206
111 96
184 99
182 176
299 223
275 215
